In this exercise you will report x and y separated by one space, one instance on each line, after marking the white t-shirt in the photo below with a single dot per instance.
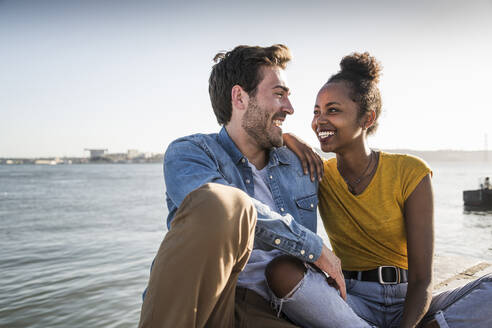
253 275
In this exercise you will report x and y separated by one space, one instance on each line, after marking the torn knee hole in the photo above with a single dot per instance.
283 274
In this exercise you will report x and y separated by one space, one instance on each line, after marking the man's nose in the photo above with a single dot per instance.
287 108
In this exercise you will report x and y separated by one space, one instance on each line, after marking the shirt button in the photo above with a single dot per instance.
303 252
277 241
311 256
243 161
271 177
281 209
312 205
247 181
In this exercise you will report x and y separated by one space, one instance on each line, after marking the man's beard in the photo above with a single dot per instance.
255 122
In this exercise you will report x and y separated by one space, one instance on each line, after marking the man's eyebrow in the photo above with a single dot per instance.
281 87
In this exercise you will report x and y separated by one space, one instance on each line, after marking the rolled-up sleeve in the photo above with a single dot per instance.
284 233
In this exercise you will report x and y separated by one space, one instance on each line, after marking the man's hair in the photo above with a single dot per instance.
241 66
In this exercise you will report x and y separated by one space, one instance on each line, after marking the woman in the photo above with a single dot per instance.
377 209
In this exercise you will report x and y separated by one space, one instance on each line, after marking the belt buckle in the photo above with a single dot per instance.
380 275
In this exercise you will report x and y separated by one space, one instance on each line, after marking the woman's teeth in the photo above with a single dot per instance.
325 134
277 123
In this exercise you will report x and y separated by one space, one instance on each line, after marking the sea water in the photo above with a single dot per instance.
77 241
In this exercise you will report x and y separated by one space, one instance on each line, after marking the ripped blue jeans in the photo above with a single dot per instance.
313 303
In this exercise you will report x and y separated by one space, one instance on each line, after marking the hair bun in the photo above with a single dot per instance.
363 65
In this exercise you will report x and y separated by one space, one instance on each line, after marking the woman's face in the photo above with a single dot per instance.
335 118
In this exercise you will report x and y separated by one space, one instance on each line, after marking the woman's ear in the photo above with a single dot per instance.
368 119
239 98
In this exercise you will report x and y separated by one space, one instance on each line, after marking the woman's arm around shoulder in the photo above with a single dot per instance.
311 162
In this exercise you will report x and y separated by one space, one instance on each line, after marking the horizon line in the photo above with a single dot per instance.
317 148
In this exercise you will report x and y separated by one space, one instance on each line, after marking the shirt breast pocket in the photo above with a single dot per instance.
307 210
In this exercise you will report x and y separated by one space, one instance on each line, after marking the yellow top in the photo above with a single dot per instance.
367 230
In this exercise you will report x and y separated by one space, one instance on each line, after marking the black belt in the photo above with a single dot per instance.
385 275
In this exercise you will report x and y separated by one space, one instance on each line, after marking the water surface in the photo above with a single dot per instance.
77 241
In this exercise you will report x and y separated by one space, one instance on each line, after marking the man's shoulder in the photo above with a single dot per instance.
290 163
293 172
196 138
191 141
287 156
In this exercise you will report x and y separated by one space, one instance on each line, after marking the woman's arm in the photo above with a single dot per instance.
308 157
419 224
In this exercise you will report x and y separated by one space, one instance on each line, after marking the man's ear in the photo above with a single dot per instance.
239 97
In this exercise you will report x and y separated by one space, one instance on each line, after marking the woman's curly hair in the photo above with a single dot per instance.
361 72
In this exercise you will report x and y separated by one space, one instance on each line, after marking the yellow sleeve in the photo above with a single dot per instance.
412 171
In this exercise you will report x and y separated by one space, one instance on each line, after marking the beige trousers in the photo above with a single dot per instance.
193 280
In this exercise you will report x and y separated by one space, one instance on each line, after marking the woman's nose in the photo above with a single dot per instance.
322 119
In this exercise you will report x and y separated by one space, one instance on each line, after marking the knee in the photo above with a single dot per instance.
222 196
283 274
223 207
486 278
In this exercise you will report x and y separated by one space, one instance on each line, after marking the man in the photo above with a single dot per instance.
486 184
229 191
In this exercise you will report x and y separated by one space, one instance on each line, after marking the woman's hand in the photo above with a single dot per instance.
331 264
311 162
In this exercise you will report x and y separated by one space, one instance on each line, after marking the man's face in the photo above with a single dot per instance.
267 110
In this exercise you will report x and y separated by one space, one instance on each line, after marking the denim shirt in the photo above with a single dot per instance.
195 160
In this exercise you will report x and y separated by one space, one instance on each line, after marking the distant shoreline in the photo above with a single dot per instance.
427 155
109 159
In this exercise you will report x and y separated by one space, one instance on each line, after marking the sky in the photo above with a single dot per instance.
134 74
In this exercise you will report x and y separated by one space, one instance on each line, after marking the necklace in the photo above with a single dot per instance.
355 183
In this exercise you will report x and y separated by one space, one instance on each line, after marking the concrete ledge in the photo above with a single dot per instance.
451 271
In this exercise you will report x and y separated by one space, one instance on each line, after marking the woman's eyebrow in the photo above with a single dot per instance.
328 104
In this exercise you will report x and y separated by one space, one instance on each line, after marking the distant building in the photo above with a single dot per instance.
96 153
46 162
51 161
133 153
116 158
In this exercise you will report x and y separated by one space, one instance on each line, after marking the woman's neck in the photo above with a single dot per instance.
357 167
354 161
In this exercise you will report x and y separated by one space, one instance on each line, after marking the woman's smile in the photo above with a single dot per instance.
335 117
